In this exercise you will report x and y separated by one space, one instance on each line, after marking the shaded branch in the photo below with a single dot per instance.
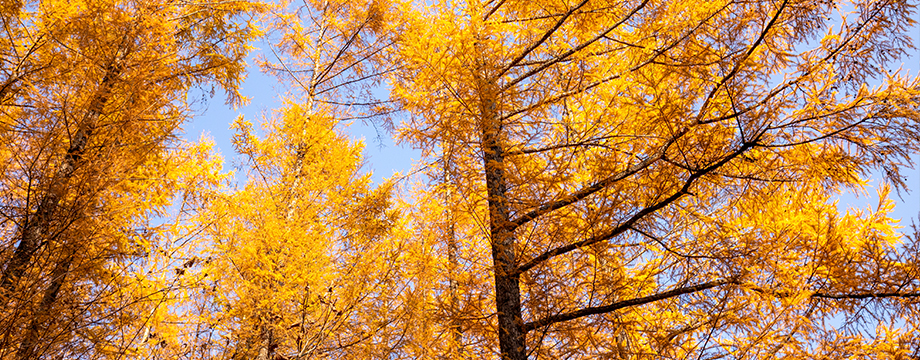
596 310
493 10
603 309
669 249
864 295
731 74
342 50
576 49
590 142
598 186
622 227
845 296
597 83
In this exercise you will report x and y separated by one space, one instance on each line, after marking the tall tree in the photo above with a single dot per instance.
305 261
304 255
656 176
92 96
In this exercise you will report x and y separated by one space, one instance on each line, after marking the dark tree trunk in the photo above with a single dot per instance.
36 226
507 288
43 315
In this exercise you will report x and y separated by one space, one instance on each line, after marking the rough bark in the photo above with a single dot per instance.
29 242
266 341
507 279
37 225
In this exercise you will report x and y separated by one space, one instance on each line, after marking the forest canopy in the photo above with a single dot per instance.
631 179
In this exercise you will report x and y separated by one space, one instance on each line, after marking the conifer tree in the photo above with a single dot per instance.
654 178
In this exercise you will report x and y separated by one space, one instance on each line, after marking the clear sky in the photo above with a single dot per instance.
384 158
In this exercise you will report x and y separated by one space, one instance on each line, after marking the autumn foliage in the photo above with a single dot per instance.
614 180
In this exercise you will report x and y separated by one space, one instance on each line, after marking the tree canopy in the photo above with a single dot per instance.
616 180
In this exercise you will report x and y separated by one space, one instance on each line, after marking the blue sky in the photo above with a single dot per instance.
382 156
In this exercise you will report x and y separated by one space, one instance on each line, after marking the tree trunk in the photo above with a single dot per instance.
32 231
36 226
507 288
44 314
266 341
455 327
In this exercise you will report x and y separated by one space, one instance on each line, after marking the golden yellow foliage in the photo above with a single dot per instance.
640 179
654 178
93 95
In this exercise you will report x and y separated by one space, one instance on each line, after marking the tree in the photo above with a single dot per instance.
655 176
304 259
452 276
92 95
640 179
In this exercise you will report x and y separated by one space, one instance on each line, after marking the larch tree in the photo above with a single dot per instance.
92 95
450 266
306 252
304 258
654 179
622 180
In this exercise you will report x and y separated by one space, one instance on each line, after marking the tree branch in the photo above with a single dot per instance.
622 227
595 310
734 71
542 39
590 142
576 49
597 83
850 296
864 295
598 186
603 309
493 10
